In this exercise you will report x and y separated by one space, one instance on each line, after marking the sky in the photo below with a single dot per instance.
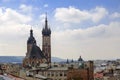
87 28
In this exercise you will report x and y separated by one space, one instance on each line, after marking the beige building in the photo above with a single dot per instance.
66 71
11 69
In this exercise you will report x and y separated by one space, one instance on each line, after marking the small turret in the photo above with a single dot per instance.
31 39
72 60
81 62
80 59
67 61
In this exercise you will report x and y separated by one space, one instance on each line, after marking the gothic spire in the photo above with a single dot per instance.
31 39
46 22
31 32
46 31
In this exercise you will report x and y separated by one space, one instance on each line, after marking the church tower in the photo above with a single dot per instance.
46 41
30 42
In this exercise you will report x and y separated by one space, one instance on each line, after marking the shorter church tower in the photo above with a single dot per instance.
30 42
46 41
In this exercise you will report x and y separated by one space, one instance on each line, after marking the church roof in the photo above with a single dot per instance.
46 31
36 52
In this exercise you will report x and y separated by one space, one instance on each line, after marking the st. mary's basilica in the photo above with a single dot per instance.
34 55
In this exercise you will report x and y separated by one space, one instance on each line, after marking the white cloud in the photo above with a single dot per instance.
25 8
74 15
115 15
8 15
95 42
98 42
13 32
13 37
42 18
98 13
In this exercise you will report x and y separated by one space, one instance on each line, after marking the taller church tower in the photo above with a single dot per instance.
46 41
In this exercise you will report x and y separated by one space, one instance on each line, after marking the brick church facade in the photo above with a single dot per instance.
34 55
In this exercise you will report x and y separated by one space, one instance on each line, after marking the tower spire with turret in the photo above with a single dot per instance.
46 31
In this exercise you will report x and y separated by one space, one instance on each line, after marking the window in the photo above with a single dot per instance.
56 74
61 74
64 74
52 74
48 74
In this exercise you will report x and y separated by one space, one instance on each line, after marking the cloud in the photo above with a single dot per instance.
42 18
25 8
13 32
115 15
95 42
8 15
74 15
98 14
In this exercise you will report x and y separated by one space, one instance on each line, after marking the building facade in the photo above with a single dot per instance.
65 71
